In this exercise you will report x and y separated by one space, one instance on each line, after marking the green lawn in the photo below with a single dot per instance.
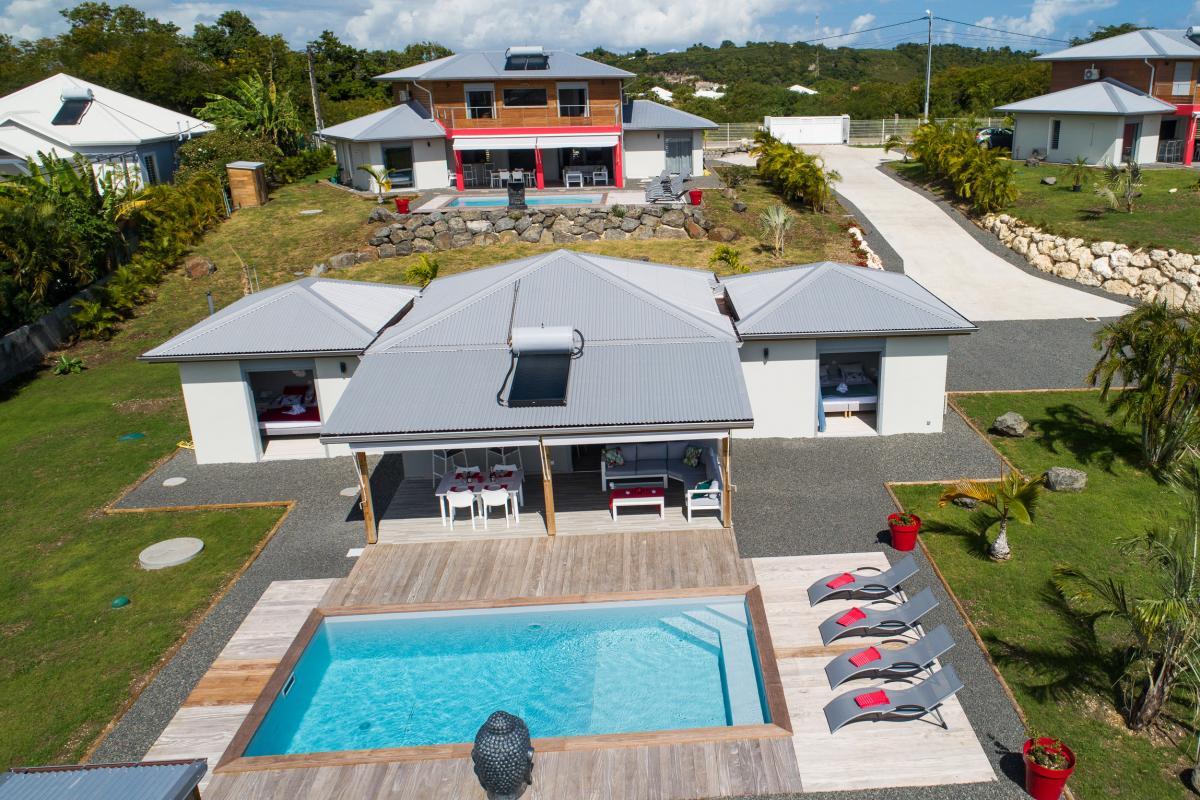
1013 605
1160 218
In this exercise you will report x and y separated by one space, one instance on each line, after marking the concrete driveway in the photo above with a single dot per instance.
944 258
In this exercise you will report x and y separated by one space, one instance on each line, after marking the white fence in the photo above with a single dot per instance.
729 135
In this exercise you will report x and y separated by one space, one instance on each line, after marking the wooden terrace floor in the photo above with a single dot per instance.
580 504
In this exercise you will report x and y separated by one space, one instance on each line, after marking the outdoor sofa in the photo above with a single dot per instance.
664 461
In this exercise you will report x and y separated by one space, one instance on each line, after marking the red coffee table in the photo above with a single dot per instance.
638 496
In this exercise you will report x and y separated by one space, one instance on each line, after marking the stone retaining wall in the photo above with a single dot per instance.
1165 276
27 346
404 234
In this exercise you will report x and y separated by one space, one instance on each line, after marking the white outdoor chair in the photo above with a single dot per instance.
461 499
703 499
518 175
491 498
600 177
496 178
513 469
573 175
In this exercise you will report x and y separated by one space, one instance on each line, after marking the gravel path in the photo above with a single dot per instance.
1023 354
311 543
801 496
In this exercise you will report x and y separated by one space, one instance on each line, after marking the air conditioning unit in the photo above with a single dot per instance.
1091 74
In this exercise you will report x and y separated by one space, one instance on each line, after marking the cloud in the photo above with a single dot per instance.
1044 15
31 19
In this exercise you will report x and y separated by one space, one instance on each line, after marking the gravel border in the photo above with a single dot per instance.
1023 354
994 245
892 262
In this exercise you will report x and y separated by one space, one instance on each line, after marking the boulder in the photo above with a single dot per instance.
1102 267
1043 262
424 232
651 211
521 225
1171 294
464 239
1120 258
444 240
738 206
1083 257
199 266
614 233
1131 275
595 225
1182 261
1060 254
642 232
547 236
507 237
404 248
422 245
674 218
318 270
379 214
1049 180
668 232
722 234
969 503
343 260
1117 286
630 224
379 236
1152 277
694 229
387 250
1065 479
1067 269
651 221
400 234
1140 260
504 224
1103 248
1010 423
1087 278
478 226
456 224
1192 301
486 238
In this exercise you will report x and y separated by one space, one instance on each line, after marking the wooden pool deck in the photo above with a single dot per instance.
804 757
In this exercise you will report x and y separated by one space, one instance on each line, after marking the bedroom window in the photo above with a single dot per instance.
285 402
1055 133
849 393
525 98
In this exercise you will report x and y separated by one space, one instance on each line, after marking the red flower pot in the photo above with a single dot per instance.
402 205
904 537
1044 783
695 195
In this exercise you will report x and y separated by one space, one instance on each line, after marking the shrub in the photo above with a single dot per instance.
979 175
95 320
67 366
301 165
422 272
798 175
729 258
208 154
733 175
776 222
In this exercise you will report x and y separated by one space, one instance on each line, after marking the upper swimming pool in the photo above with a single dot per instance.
427 678
541 200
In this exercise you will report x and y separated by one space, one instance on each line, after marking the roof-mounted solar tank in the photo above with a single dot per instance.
529 56
542 365
75 103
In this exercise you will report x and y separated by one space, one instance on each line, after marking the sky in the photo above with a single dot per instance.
660 25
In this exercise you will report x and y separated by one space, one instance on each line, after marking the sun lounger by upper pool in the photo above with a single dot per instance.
912 702
880 662
883 583
889 618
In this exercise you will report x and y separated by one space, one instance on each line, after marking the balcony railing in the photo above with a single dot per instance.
589 115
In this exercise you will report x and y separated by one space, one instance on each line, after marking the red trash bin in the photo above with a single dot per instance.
694 195
402 205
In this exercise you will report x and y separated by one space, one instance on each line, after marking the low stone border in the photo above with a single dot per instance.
860 244
1164 276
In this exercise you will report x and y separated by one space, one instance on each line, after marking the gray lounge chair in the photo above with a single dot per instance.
883 583
664 189
874 662
913 702
890 619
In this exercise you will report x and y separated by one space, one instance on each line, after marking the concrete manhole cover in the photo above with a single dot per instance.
171 553
349 491
174 481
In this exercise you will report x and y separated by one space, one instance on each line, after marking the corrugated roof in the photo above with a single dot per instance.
406 121
647 115
311 315
829 299
656 351
163 780
430 392
112 119
1157 43
490 64
1104 97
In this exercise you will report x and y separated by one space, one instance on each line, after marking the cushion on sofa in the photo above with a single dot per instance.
652 450
675 450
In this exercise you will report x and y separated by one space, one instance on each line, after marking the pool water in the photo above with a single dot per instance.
402 680
544 200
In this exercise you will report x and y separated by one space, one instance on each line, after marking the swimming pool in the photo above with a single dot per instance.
430 678
543 200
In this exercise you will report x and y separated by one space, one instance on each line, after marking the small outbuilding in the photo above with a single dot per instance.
261 375
833 349
403 141
1104 122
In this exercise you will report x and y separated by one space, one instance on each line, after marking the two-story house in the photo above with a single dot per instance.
471 120
1132 97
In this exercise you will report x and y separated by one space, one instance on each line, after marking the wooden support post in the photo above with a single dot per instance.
727 489
368 507
547 487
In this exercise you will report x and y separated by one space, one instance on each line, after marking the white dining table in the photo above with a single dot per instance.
456 481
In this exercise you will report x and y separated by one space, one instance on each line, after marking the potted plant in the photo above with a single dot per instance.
1048 764
1079 172
904 526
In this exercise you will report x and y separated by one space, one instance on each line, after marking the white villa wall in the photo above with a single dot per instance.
430 168
1148 147
912 396
646 155
1097 138
697 152
220 412
419 463
782 387
331 383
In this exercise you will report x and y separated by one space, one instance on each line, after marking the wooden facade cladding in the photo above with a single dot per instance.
450 104
1066 74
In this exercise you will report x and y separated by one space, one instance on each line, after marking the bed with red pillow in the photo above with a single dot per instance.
291 413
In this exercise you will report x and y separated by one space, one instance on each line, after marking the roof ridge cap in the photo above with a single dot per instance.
342 315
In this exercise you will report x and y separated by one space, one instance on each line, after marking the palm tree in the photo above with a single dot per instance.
380 175
257 107
1012 497
1161 616
897 142
776 222
1080 172
1155 352
1121 185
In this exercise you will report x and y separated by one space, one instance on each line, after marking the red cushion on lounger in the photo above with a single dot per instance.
870 699
865 657
851 616
840 580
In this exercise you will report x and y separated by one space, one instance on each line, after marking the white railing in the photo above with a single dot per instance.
729 135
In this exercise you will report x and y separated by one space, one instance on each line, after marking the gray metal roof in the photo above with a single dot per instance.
490 64
829 299
656 352
647 115
1103 97
305 317
406 121
151 780
1159 43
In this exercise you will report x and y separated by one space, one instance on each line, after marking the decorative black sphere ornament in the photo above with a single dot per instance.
503 756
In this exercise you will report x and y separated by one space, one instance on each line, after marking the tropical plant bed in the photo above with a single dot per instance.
1064 691
1160 218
